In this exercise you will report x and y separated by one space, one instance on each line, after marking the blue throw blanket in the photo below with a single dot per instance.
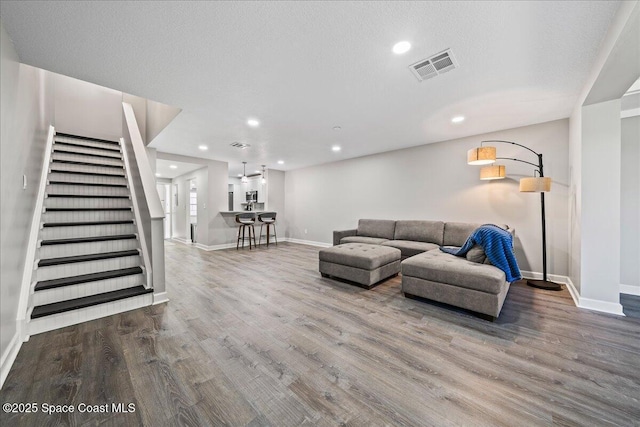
497 244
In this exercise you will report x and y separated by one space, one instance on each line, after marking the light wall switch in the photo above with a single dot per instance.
24 182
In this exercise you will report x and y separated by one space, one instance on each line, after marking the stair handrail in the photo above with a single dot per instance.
29 263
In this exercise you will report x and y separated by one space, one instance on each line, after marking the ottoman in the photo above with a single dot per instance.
362 263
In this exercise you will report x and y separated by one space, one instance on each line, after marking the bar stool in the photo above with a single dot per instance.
246 221
268 219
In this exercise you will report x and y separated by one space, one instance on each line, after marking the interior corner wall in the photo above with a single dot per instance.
630 203
26 112
574 200
434 182
276 198
600 196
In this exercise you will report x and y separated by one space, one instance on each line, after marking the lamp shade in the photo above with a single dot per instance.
481 155
492 172
535 184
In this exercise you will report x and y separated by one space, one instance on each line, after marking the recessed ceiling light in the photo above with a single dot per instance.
173 166
257 171
157 174
337 128
203 147
401 47
253 123
336 148
281 162
239 174
457 119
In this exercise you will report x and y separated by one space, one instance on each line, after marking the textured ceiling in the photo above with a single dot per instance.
302 68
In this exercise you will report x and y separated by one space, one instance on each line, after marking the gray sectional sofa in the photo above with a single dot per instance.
469 282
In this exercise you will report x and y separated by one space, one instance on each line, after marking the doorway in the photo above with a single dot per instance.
192 211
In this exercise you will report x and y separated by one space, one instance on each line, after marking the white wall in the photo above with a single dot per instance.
276 198
630 203
434 182
26 112
600 241
86 109
158 117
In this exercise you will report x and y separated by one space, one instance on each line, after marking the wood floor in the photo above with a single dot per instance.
258 338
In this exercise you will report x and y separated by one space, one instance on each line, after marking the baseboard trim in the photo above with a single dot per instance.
181 240
308 242
580 302
215 247
603 306
630 289
9 356
160 297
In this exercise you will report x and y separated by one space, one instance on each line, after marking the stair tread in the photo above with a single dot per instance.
87 196
89 257
74 304
84 278
80 153
76 162
86 138
90 184
88 239
93 147
85 209
87 173
82 223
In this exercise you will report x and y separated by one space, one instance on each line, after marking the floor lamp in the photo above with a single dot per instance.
486 155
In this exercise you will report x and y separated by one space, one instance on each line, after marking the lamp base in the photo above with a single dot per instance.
545 284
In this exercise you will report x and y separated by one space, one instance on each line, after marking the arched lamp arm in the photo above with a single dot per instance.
510 142
518 160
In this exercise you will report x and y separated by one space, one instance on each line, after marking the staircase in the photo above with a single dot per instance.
88 258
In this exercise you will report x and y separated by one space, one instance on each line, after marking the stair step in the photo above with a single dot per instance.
87 196
83 223
86 138
85 209
76 162
74 304
90 184
84 258
79 153
87 239
118 175
83 278
79 144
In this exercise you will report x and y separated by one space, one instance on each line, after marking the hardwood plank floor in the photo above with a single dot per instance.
258 338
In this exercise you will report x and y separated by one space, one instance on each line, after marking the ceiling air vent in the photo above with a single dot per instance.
434 66
240 145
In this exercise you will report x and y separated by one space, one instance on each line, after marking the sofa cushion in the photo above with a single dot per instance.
381 228
363 239
410 247
476 254
360 255
437 266
420 231
457 233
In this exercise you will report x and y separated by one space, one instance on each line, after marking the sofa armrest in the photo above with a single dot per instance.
339 234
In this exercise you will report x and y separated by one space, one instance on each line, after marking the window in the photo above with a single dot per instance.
193 203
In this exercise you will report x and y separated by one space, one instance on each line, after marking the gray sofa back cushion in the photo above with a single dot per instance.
456 233
383 228
420 231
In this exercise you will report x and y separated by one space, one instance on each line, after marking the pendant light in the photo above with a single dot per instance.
244 178
264 179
